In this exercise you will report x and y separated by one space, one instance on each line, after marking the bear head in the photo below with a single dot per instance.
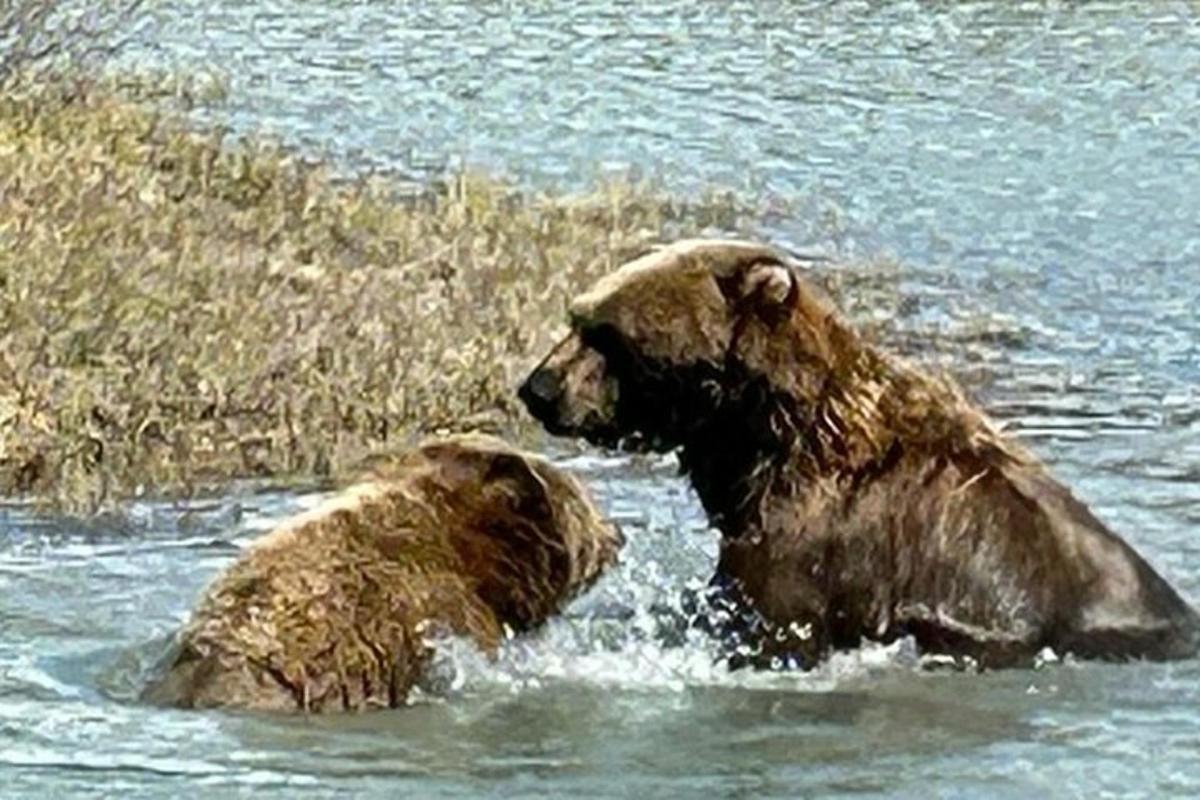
527 532
674 340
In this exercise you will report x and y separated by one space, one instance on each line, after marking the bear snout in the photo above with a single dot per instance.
541 393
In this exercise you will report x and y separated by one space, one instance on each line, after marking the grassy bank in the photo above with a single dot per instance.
177 309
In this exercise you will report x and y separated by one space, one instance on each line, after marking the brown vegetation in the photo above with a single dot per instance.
177 308
41 37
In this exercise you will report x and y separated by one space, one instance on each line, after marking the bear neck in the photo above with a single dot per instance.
732 459
865 411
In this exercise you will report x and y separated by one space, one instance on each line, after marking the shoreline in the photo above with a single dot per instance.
179 309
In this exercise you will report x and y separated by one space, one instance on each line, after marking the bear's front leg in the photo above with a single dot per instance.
754 632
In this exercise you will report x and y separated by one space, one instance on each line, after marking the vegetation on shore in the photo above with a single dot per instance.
178 309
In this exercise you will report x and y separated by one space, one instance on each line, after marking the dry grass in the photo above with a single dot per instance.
177 309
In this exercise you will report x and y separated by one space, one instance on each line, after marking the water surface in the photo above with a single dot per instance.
1032 168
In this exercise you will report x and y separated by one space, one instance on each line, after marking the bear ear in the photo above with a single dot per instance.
531 493
768 284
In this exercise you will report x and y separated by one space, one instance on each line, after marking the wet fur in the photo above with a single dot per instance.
857 497
333 610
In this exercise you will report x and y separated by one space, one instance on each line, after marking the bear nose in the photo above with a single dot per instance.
540 393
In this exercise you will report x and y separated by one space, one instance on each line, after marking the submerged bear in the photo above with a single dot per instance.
857 497
333 609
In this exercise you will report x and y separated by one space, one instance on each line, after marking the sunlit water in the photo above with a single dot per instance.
1034 165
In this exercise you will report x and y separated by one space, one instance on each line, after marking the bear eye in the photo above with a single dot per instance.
603 338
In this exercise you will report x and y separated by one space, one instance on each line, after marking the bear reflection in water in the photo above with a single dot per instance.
857 497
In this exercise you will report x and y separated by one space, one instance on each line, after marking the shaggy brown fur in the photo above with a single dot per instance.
857 497
331 611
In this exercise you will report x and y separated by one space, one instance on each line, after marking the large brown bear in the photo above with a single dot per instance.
332 609
856 497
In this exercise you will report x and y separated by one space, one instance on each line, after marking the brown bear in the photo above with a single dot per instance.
332 610
857 497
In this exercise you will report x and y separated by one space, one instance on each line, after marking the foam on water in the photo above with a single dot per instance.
572 652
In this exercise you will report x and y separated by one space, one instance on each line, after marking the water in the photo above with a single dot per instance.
1033 169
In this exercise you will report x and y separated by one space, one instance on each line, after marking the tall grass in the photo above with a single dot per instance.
178 309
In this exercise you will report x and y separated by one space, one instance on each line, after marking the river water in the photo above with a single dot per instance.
1031 167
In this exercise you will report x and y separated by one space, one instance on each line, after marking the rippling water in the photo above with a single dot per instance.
1031 165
